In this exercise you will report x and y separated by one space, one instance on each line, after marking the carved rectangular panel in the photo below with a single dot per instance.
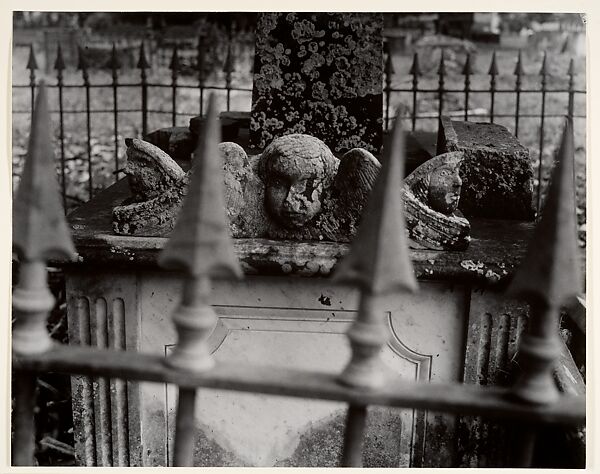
494 328
289 322
104 315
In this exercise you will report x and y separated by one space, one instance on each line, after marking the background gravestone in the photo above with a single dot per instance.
319 74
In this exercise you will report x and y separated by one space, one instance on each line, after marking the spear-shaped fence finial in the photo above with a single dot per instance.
59 63
468 67
415 68
547 277
389 64
40 233
174 64
200 246
82 64
442 66
31 61
142 61
378 263
571 70
544 67
519 71
493 71
114 63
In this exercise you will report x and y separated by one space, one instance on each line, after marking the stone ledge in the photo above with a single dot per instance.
496 248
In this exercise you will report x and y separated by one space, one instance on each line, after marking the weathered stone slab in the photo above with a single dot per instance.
278 321
319 74
496 171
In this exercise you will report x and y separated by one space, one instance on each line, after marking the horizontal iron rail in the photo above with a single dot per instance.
491 402
249 89
148 84
488 90
432 115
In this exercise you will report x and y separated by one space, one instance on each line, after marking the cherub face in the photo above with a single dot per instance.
293 190
444 189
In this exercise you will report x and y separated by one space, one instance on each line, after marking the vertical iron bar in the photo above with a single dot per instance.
32 66
142 66
441 73
571 73
174 66
541 147
201 65
467 71
83 66
389 71
185 428
115 65
23 443
493 72
356 422
415 71
228 69
518 73
59 65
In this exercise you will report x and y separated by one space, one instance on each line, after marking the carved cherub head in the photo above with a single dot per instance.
296 169
444 188
436 183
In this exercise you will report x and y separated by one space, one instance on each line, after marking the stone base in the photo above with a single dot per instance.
277 321
496 172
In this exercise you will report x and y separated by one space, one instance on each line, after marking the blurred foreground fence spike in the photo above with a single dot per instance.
547 277
201 247
378 264
40 232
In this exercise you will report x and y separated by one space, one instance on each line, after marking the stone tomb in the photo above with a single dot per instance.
285 313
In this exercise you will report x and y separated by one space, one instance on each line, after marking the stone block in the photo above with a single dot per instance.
319 74
496 171
178 142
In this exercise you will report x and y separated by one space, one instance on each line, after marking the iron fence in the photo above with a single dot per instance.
407 94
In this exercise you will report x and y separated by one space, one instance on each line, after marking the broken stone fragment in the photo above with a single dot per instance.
150 170
431 195
496 172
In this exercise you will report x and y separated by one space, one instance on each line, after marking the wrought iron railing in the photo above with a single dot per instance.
226 85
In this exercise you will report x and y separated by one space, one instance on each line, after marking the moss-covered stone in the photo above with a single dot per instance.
496 172
319 74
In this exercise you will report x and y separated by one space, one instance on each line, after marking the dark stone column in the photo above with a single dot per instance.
319 74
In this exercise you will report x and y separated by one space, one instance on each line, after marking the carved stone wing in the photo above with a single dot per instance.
356 175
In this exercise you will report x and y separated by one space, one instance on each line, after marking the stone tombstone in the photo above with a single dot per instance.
319 74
